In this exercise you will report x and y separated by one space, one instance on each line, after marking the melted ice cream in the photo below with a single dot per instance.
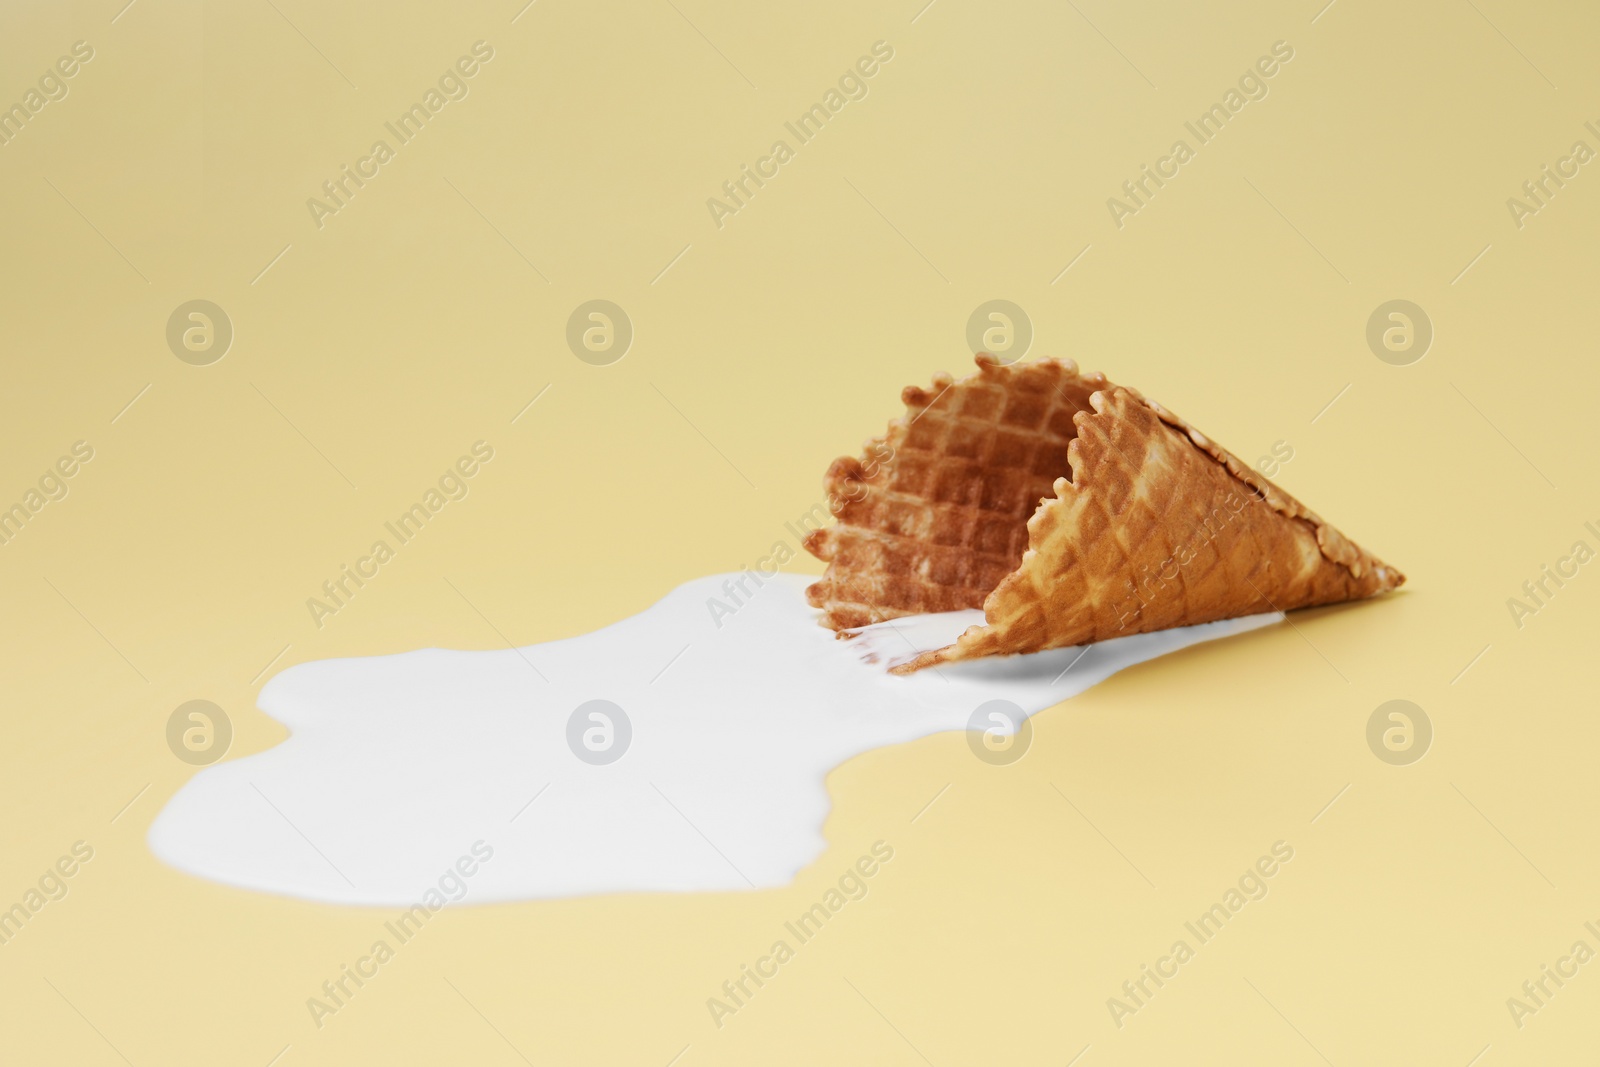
397 764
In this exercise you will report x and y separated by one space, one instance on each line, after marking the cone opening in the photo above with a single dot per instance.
938 514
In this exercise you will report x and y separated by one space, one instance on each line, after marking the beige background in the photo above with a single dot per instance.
432 309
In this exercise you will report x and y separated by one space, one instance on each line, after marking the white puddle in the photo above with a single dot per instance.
398 764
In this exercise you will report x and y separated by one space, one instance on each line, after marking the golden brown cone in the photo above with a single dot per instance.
1071 511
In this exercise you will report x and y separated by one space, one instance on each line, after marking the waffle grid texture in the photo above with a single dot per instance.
1070 510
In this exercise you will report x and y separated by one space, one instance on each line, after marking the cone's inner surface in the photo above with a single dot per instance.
974 467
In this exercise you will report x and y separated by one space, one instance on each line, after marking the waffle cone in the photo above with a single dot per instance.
1070 510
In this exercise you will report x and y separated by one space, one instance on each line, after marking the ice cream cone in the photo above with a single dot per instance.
1071 511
